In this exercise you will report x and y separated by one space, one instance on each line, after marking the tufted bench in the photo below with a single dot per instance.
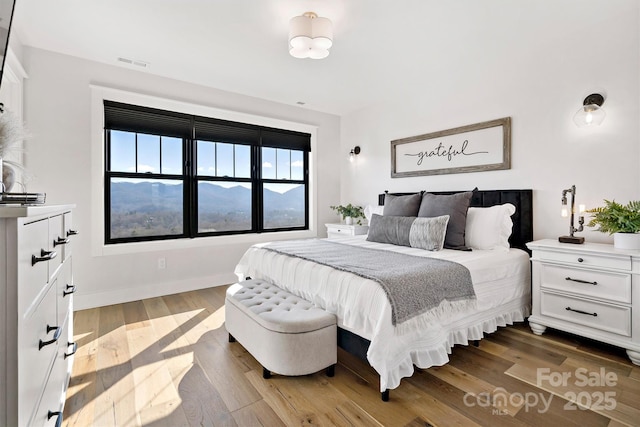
287 334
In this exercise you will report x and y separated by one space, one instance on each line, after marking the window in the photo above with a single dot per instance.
171 175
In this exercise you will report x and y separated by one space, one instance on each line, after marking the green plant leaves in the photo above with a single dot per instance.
349 210
616 218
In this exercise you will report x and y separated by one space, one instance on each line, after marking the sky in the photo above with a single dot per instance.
157 154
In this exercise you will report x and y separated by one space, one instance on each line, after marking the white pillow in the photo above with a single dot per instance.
489 228
369 210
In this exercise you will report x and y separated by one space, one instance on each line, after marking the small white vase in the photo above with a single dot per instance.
348 220
626 241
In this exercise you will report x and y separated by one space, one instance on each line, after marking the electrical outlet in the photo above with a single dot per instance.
162 263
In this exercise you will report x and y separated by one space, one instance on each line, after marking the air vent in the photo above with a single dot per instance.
135 62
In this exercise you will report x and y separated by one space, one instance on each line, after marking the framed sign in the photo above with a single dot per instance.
474 148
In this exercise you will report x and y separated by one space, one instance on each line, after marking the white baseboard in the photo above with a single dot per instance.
83 301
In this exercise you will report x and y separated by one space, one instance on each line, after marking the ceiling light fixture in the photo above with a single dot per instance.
310 36
591 112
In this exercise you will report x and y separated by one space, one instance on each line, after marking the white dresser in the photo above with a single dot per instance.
591 290
36 320
343 230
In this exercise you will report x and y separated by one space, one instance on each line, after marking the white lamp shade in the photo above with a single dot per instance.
589 115
310 36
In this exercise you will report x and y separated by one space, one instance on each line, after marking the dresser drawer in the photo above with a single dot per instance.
33 239
592 283
65 290
34 361
606 317
51 404
586 259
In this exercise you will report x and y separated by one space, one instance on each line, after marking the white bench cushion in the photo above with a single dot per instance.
276 309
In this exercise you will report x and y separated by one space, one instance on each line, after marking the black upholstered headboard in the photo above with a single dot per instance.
522 218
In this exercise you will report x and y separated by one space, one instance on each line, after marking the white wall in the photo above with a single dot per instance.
57 114
595 49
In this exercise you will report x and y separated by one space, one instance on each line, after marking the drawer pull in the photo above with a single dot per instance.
71 289
580 260
75 348
60 241
581 281
58 414
582 312
44 256
72 232
55 339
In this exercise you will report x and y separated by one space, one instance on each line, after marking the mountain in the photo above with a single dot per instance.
152 208
149 196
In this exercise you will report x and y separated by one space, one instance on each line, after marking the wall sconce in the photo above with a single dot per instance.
354 152
571 238
310 36
591 112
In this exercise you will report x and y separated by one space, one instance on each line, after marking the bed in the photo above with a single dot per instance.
500 278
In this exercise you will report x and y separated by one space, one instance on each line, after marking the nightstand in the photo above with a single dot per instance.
344 230
592 290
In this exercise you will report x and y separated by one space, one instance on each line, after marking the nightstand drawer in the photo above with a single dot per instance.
343 230
587 259
590 283
346 231
610 318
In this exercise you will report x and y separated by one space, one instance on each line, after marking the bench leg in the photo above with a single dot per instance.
231 338
331 370
476 343
266 374
385 395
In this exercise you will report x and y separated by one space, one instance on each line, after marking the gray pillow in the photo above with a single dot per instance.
423 233
390 229
454 205
402 205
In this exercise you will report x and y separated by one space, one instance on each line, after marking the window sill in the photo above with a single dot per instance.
236 239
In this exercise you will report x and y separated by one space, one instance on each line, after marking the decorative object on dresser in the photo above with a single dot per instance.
350 213
344 230
571 238
587 290
623 221
36 305
12 134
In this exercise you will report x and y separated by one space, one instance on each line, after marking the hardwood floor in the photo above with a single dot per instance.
167 362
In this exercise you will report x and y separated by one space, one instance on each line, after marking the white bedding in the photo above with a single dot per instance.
501 281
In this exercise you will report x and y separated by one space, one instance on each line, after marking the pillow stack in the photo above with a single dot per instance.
422 214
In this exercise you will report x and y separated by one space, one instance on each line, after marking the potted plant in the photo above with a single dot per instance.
623 221
349 213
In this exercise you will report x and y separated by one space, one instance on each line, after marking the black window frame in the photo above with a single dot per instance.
191 129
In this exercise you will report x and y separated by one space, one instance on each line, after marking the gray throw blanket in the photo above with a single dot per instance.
414 285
